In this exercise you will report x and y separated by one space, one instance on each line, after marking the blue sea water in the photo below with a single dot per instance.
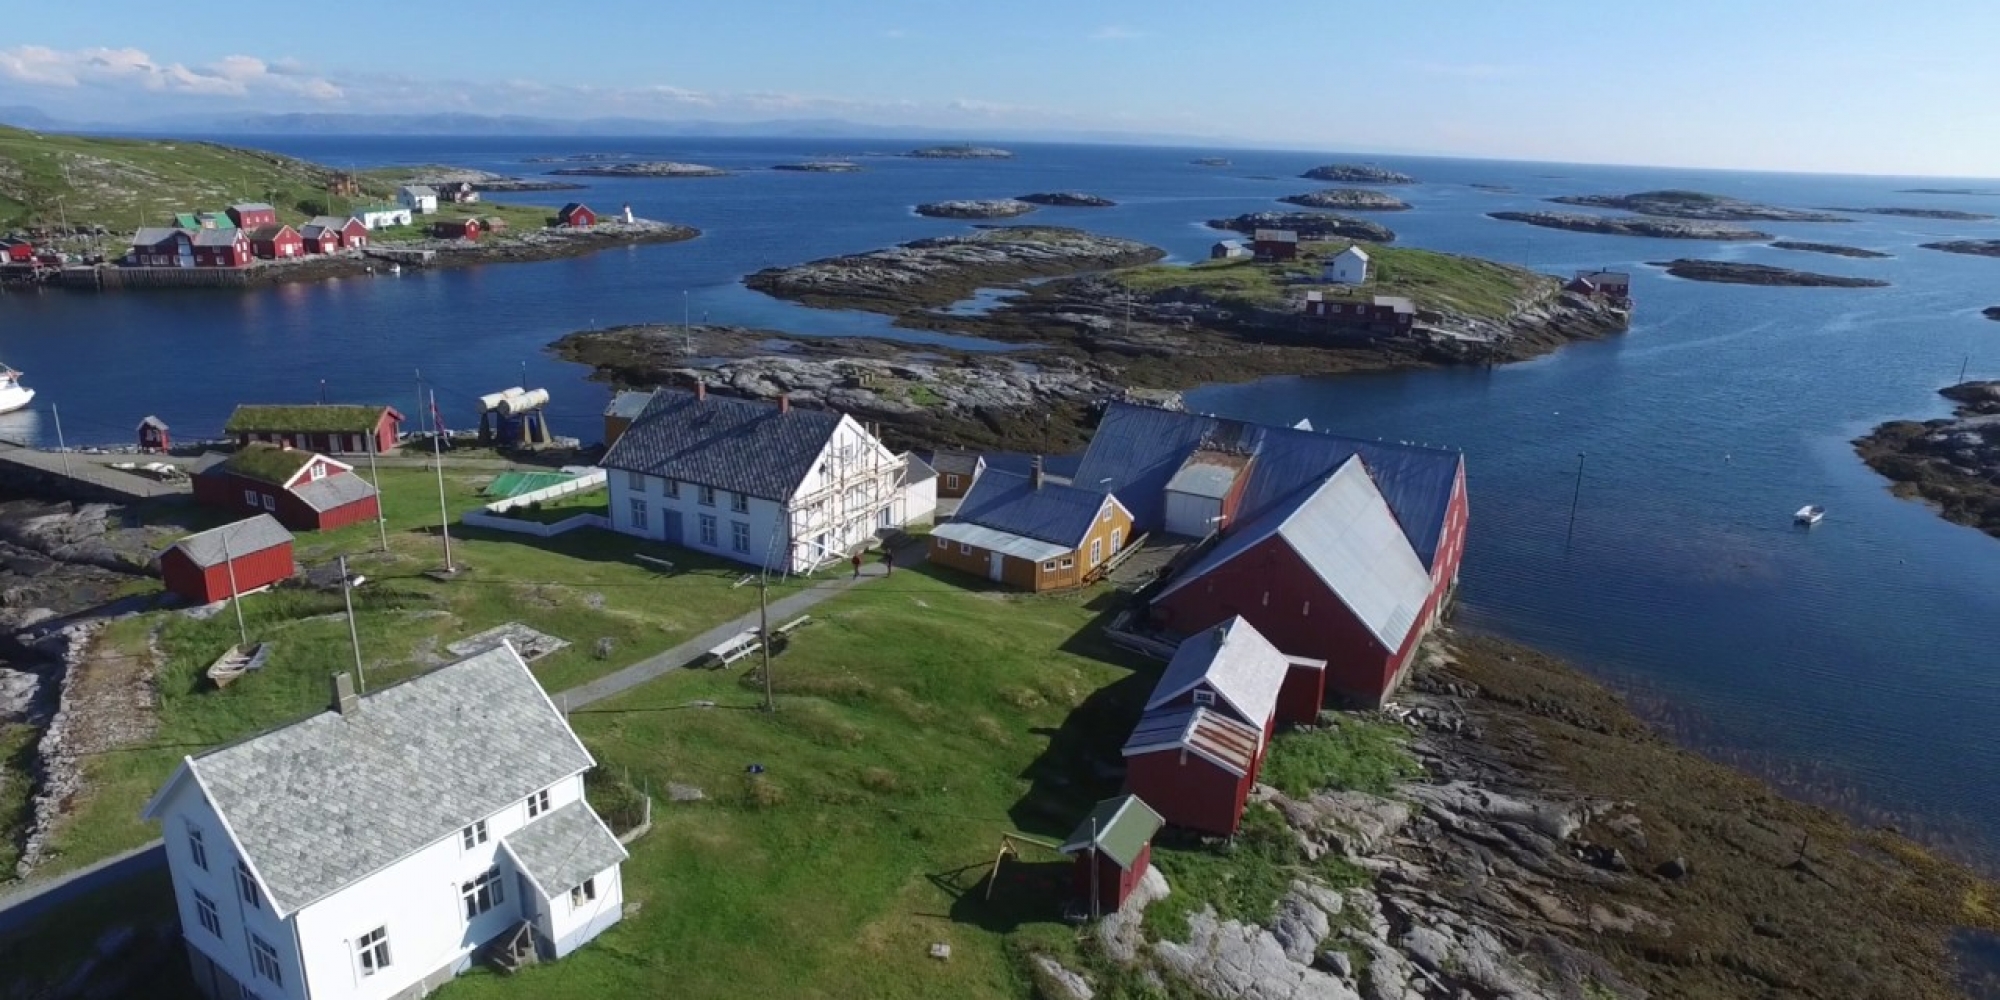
1853 661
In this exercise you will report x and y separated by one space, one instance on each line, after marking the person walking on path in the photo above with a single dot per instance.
857 565
888 562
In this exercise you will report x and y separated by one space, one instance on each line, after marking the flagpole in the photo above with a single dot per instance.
437 454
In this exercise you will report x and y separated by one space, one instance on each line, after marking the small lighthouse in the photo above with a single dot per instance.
628 214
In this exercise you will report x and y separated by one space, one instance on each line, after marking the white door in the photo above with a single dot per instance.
995 563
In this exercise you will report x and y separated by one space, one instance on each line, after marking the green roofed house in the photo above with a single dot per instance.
186 220
1113 847
330 429
304 490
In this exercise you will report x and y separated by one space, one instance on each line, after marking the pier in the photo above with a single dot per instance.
74 476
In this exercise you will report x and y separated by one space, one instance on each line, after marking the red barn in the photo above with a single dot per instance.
161 246
305 491
252 215
1380 316
15 251
276 243
234 559
1274 245
330 429
153 435
331 233
455 229
1613 285
576 215
1197 763
1112 847
221 247
1340 549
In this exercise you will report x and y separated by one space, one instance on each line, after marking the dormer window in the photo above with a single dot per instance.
1204 697
538 803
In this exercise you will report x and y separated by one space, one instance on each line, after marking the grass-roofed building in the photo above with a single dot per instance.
330 429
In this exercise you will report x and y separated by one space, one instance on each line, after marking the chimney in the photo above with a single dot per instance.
344 700
784 403
1035 475
700 389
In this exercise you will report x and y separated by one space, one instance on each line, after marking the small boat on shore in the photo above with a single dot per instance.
1809 515
13 395
237 661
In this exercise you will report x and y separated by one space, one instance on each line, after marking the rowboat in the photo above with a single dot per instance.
237 661
1809 515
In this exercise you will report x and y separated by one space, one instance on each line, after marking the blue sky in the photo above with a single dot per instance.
1831 85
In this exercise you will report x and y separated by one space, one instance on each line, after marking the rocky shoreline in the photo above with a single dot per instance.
1736 273
821 167
1991 312
1632 225
1977 248
660 168
513 248
1953 463
1941 214
1067 199
484 180
960 153
1696 205
990 208
1350 199
1356 173
1829 248
1308 225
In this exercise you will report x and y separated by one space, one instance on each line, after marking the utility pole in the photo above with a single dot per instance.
381 513
235 599
764 633
1963 366
1574 499
437 459
687 334
353 632
56 412
1095 909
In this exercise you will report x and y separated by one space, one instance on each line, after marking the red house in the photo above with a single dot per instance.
303 490
1199 764
15 251
234 559
1613 285
576 215
1233 669
1338 549
330 429
220 247
331 233
1112 847
1271 245
455 229
153 435
1380 316
252 215
276 243
161 246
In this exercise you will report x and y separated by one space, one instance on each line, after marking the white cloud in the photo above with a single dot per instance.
1115 33
230 76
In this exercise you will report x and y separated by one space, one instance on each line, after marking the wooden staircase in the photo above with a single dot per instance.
515 950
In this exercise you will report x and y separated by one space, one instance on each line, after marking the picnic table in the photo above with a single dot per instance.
735 647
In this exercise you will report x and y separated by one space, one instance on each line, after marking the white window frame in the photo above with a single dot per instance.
1069 562
635 481
246 887
739 536
709 530
1117 540
205 912
250 497
964 549
1096 551
473 835
951 481
270 502
371 950
1204 697
264 960
943 543
739 502
637 513
1049 567
585 893
197 847
673 489
705 496
482 893
538 803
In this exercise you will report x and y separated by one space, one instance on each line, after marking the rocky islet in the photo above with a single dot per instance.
1632 225
986 208
1067 199
1357 173
1696 205
647 168
1350 199
1835 249
1308 225
1952 463
1731 272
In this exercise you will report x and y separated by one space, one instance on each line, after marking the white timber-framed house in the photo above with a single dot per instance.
777 486
379 848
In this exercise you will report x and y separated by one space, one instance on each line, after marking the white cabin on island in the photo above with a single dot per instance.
1348 267
760 482
375 850
419 198
383 216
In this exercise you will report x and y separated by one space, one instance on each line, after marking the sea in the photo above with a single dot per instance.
1632 498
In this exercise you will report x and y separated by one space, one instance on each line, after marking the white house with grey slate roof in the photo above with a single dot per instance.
373 850
760 482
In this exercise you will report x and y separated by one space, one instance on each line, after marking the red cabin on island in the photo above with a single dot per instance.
223 562
304 490
1113 846
153 434
455 229
276 243
252 215
330 429
576 215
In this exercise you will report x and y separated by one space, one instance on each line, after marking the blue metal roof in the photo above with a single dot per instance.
1140 448
1021 463
1057 514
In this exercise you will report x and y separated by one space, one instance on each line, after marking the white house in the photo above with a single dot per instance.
920 490
372 851
765 483
1348 267
383 216
419 198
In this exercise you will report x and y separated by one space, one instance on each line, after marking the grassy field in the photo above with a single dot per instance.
17 745
1430 279
520 218
126 183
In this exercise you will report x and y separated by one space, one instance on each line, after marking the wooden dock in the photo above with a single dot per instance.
81 477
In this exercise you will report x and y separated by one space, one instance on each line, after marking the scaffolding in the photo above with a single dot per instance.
861 482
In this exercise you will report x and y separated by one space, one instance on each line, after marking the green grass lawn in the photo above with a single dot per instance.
520 218
1430 279
17 746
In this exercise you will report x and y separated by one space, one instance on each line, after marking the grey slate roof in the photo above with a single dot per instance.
337 490
916 469
216 237
953 461
1057 514
1236 661
150 236
1123 826
563 848
739 445
253 206
1140 448
238 539
325 802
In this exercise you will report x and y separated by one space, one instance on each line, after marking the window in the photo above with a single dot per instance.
197 848
264 960
250 497
270 502
474 835
635 481
951 481
673 489
1049 567
584 893
964 549
886 519
482 893
1204 697
943 544
538 803
247 885
317 472
1106 516
1117 539
1068 562
373 949
638 513
708 530
739 502
204 910
1096 551
706 497
739 536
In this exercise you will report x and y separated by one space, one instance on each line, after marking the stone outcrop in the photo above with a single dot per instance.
1696 205
989 208
483 180
960 153
1991 312
1828 248
821 167
1953 463
1943 214
1356 173
933 272
1066 199
1977 248
1632 225
647 168
1210 161
1309 225
1731 272
1348 199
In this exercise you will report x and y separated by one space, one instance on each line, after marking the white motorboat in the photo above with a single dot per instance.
1809 515
13 395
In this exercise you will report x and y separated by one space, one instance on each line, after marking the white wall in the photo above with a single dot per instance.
763 517
1346 269
570 926
231 951
1189 515
919 503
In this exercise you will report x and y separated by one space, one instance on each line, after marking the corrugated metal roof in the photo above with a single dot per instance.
337 490
1005 543
741 445
1344 531
1208 474
957 463
1234 659
1223 741
216 237
1003 501
1021 463
253 206
1137 449
1120 827
238 539
1276 236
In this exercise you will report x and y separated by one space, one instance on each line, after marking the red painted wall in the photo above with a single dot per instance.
253 570
1114 884
1188 791
226 492
1300 699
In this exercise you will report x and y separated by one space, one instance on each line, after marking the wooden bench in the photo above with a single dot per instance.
655 561
796 623
738 646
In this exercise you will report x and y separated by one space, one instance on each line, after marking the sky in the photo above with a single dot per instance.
1826 86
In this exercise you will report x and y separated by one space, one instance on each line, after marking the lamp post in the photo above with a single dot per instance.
347 585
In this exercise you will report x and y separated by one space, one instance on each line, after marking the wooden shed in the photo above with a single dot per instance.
1112 847
234 559
576 215
456 229
153 434
304 490
1197 763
